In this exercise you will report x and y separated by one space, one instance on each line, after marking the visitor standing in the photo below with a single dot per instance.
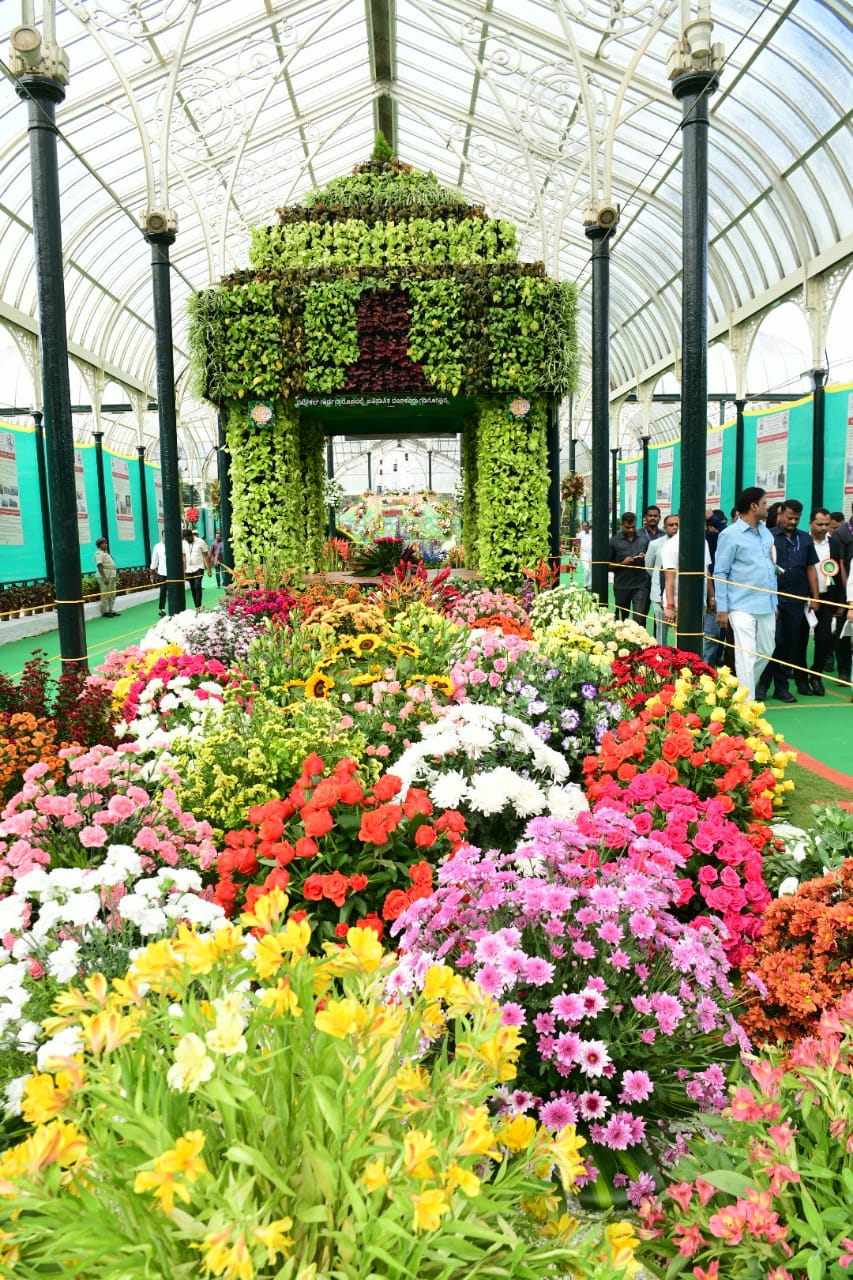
196 561
797 587
656 575
819 530
745 587
105 568
651 523
585 544
627 555
669 563
158 568
216 557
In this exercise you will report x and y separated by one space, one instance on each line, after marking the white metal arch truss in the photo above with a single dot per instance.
532 107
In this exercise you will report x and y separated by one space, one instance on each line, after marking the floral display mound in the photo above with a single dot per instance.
625 1010
258 1112
386 284
207 1031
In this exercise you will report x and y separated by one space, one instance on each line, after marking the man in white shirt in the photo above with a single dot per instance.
669 563
158 567
196 560
585 541
655 568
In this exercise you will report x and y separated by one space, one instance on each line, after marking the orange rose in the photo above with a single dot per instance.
395 904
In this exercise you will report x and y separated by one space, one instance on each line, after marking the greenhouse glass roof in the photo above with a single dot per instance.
221 112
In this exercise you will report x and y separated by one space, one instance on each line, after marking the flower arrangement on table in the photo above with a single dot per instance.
804 958
254 1111
768 1192
720 871
625 1009
706 735
492 766
346 854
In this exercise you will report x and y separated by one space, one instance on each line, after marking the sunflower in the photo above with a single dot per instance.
371 678
406 649
318 685
442 684
367 643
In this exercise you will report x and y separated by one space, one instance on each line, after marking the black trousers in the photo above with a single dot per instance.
163 585
194 579
635 599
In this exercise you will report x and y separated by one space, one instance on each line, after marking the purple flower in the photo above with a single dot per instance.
589 691
557 1114
512 1015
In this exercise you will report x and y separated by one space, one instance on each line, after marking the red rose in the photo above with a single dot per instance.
225 895
313 767
421 873
451 820
247 863
325 794
317 822
341 929
271 829
336 888
395 904
417 801
358 882
350 791
283 852
387 787
226 862
278 878
372 829
296 916
305 847
312 890
425 836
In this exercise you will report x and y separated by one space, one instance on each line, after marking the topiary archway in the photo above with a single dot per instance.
386 299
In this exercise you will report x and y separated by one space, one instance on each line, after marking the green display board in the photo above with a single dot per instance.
777 456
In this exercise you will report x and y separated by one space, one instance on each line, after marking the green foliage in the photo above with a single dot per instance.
808 855
379 185
238 339
381 148
246 758
470 510
267 487
331 332
512 490
312 443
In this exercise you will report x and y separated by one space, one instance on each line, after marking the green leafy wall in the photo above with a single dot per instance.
512 490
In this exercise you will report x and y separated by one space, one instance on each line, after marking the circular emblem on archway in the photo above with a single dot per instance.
519 407
261 413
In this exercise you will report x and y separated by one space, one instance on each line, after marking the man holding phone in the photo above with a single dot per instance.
631 582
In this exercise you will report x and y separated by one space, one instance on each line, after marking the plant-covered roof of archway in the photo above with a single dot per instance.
385 282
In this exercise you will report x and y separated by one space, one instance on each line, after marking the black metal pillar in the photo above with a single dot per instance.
162 289
600 237
614 490
143 492
818 377
98 437
41 95
429 470
44 501
644 491
740 430
224 473
552 430
330 474
693 91
369 470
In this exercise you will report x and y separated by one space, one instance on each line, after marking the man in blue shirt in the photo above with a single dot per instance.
797 585
745 587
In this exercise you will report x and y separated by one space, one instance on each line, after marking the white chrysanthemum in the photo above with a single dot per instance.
14 1096
62 963
528 798
448 789
11 914
566 801
487 792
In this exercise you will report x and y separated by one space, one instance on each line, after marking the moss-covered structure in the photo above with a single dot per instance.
385 303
